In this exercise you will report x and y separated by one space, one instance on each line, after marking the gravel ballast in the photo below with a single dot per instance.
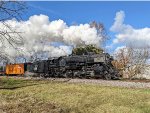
113 83
116 83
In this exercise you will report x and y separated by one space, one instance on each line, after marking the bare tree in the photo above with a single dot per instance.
8 10
101 31
131 60
122 59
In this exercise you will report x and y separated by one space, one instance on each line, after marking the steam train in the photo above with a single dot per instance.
74 66
82 66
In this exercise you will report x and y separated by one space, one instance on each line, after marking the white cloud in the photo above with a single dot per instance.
138 38
119 49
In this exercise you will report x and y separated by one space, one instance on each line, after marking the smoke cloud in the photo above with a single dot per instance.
55 38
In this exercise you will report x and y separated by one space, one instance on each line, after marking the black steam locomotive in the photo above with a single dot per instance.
82 66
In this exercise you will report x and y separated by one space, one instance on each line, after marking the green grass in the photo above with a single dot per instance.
36 96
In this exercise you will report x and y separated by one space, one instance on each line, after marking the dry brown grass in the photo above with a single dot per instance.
57 97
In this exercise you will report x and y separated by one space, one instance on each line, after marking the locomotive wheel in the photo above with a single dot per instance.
42 75
46 75
68 74
65 75
107 76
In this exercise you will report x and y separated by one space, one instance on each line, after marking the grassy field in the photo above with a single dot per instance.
36 96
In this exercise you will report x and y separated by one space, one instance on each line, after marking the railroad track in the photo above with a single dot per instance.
115 83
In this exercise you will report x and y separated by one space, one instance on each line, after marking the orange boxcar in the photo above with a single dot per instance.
15 69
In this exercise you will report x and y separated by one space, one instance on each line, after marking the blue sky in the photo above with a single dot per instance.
136 13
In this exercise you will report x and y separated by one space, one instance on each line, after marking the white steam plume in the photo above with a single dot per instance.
39 33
